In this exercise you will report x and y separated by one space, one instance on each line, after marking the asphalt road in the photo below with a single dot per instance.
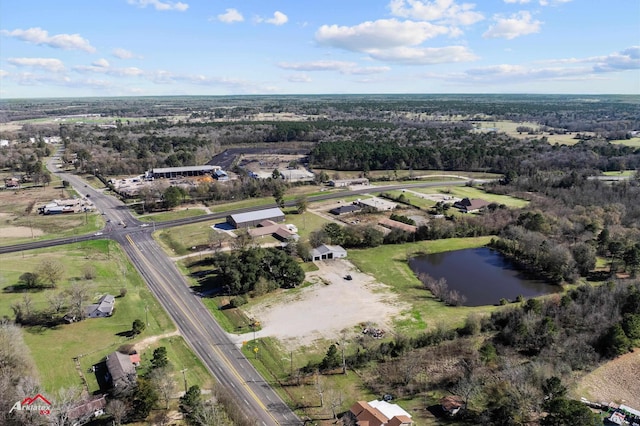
196 324
194 321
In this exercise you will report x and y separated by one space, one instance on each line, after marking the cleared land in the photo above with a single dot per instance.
20 221
332 304
616 381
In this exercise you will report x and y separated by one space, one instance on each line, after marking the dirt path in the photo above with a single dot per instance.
145 343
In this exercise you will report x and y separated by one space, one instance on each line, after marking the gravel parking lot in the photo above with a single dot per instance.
331 305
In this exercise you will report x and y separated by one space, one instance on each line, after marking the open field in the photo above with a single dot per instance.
394 175
90 339
633 142
472 192
388 264
509 127
616 381
622 173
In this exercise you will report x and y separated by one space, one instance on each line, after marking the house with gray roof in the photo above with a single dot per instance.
104 307
122 372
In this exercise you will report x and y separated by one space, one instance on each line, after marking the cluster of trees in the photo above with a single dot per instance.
526 354
258 270
347 236
71 301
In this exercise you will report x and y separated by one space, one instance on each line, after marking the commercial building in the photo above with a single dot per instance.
173 172
348 182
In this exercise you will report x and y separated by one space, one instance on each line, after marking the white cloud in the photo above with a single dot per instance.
570 69
123 54
3 73
425 55
553 2
48 64
317 66
444 11
230 16
102 63
60 41
516 25
343 67
518 1
279 18
100 67
299 78
628 59
160 5
380 34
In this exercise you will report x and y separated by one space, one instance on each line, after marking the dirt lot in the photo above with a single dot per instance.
331 305
617 381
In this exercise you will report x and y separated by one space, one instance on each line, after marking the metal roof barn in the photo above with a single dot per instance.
249 219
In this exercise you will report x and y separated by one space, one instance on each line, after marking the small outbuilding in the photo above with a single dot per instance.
327 252
252 219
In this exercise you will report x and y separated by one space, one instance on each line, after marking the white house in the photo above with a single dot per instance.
325 252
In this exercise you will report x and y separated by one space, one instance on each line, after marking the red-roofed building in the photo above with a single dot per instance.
379 413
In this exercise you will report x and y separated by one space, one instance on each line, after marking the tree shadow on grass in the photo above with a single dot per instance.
23 288
129 334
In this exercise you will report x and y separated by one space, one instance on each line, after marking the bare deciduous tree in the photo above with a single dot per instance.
118 411
78 296
51 271
164 384
57 301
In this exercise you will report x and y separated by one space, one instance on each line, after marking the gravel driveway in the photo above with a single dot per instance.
323 310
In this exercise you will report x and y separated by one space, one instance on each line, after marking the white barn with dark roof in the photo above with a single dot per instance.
327 252
252 219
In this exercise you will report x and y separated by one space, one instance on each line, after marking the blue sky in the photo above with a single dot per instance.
234 47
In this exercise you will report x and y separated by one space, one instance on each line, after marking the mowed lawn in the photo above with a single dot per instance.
54 349
472 192
388 264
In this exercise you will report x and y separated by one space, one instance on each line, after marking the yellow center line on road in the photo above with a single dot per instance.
200 328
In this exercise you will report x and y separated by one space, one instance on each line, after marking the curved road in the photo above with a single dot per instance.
196 324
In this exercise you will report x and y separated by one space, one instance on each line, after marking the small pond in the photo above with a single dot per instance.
482 275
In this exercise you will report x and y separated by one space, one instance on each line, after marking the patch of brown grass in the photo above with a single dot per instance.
616 381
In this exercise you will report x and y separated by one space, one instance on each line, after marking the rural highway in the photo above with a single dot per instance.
194 321
209 341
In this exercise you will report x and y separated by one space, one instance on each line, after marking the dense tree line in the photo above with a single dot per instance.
257 269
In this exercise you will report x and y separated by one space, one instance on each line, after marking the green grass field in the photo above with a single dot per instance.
472 192
388 264
622 173
53 349
633 142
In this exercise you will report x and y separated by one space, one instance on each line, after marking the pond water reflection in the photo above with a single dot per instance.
482 275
